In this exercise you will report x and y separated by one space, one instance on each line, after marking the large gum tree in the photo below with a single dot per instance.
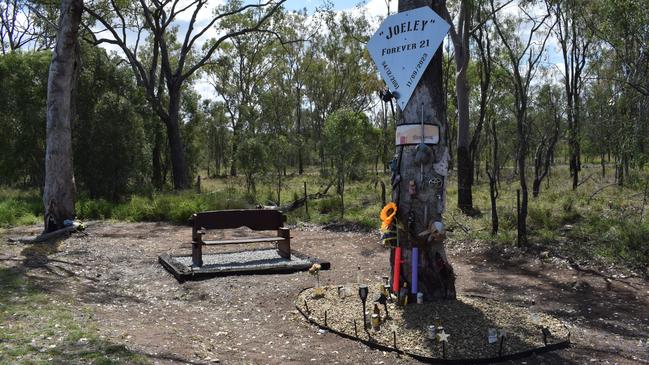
59 190
176 31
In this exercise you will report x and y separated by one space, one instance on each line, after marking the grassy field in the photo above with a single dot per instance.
34 329
598 220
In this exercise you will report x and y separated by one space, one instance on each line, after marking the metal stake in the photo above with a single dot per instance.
306 306
355 329
545 331
502 340
421 165
394 338
325 319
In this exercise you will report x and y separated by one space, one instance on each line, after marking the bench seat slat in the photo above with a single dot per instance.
245 240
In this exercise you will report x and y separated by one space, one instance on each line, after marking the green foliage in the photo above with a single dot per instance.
328 205
346 146
251 155
176 207
22 117
110 147
18 208
605 225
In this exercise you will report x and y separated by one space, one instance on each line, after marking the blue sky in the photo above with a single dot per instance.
374 7
311 4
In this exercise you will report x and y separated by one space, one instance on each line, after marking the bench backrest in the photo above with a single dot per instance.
255 219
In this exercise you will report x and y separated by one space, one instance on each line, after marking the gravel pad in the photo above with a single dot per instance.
258 261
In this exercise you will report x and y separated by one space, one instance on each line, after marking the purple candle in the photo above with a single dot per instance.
415 264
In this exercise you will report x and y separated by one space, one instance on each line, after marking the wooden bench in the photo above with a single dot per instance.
255 219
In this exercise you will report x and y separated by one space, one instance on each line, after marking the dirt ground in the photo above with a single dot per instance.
112 269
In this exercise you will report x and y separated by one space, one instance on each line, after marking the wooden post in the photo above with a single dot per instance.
284 246
420 189
197 254
306 201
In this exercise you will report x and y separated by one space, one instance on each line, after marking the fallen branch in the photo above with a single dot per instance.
584 180
63 232
466 230
597 192
300 202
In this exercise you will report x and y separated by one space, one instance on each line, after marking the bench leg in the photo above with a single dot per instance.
284 246
197 254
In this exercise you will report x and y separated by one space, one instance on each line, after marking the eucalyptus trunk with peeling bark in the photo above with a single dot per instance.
465 149
59 190
416 213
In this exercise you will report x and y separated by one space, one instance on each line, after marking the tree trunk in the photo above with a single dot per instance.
522 153
464 160
416 212
235 147
298 112
538 162
157 162
493 196
59 190
494 177
176 150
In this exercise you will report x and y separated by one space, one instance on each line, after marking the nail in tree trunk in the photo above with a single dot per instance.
436 279
59 190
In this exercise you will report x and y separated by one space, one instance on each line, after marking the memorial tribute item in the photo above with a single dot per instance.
403 46
406 52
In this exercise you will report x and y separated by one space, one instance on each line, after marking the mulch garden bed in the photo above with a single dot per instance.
467 320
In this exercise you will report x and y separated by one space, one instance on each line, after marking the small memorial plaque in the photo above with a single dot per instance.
492 336
410 134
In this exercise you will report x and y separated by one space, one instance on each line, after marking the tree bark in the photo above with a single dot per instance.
59 190
521 155
417 211
179 168
298 112
460 38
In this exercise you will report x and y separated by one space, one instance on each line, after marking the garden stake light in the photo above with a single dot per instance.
546 332
363 291
384 300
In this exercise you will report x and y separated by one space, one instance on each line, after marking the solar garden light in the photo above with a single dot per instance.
382 299
363 291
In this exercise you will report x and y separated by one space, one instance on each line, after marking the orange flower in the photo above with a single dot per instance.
387 215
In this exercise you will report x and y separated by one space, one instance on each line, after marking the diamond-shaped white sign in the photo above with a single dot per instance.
403 46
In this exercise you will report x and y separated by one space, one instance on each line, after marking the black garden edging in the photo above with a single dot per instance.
433 360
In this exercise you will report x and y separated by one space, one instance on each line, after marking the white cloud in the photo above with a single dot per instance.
203 87
204 15
379 8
